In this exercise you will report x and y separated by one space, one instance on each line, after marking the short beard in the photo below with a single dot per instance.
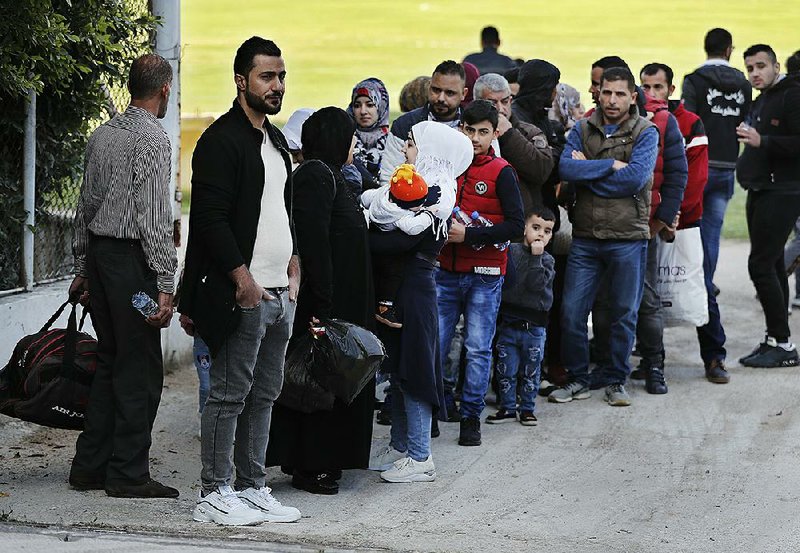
258 103
449 114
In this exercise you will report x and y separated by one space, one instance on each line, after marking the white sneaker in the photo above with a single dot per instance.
385 458
409 470
224 507
262 500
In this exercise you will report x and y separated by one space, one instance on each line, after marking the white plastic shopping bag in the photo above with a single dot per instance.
680 281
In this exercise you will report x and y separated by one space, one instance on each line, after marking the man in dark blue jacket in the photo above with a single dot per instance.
447 91
769 169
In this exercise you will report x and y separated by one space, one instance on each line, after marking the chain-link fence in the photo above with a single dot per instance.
55 200
11 197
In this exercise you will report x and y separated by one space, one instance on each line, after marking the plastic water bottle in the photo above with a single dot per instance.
478 221
461 217
144 304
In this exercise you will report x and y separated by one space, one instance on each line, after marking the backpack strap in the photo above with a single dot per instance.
70 341
55 316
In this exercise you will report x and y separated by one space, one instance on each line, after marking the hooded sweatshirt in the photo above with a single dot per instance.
721 96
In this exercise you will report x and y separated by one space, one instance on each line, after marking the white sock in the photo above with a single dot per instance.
788 346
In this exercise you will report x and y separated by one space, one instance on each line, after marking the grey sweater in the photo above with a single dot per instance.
528 295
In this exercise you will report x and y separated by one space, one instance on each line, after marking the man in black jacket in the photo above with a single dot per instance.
769 169
720 95
240 285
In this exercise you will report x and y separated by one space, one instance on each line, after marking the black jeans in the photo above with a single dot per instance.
770 218
126 390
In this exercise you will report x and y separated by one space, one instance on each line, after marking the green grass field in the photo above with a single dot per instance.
329 45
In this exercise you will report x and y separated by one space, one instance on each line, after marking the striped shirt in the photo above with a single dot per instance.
126 192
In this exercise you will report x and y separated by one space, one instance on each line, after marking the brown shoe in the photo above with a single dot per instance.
716 373
149 490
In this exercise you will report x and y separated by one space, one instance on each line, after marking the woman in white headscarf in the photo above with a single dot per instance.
440 154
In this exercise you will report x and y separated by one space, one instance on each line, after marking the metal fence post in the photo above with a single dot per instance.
29 184
168 45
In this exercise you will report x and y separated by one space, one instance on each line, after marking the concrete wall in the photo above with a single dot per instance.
25 313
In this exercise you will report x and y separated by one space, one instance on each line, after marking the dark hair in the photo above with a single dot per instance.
490 35
541 211
327 135
608 62
717 41
619 74
148 74
793 63
756 48
480 110
653 68
450 67
512 75
250 48
414 94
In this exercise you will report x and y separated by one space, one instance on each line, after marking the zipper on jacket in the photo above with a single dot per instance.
458 203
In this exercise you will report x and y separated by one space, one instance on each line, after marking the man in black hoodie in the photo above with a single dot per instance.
769 169
721 96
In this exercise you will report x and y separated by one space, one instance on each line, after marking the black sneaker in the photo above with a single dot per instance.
502 416
384 416
760 348
148 490
387 315
86 482
470 432
654 381
772 357
527 418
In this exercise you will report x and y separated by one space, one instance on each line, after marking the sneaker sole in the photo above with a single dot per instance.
469 444
424 477
582 395
271 517
619 403
387 322
205 516
782 364
500 421
381 468
718 380
529 423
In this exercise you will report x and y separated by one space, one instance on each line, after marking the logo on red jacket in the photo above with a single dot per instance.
481 188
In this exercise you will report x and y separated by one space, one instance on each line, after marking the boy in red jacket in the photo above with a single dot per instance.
469 280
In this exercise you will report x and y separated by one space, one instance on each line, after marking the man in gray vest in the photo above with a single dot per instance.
609 159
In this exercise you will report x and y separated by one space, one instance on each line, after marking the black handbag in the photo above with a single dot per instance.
301 391
49 376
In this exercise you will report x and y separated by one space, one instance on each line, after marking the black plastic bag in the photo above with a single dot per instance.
301 391
344 357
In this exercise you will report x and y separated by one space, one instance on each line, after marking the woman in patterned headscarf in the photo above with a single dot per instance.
369 107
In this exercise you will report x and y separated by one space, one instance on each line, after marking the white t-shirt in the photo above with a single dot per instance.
273 248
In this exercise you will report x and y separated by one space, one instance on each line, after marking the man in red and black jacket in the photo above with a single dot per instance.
657 80
469 280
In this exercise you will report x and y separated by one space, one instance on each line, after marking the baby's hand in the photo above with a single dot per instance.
537 247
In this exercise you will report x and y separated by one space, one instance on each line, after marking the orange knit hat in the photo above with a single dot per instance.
407 186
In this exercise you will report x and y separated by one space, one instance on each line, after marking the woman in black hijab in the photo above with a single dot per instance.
336 282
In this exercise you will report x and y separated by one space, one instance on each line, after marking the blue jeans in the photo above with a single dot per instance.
623 261
202 362
716 195
519 349
477 297
411 424
246 379
711 336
